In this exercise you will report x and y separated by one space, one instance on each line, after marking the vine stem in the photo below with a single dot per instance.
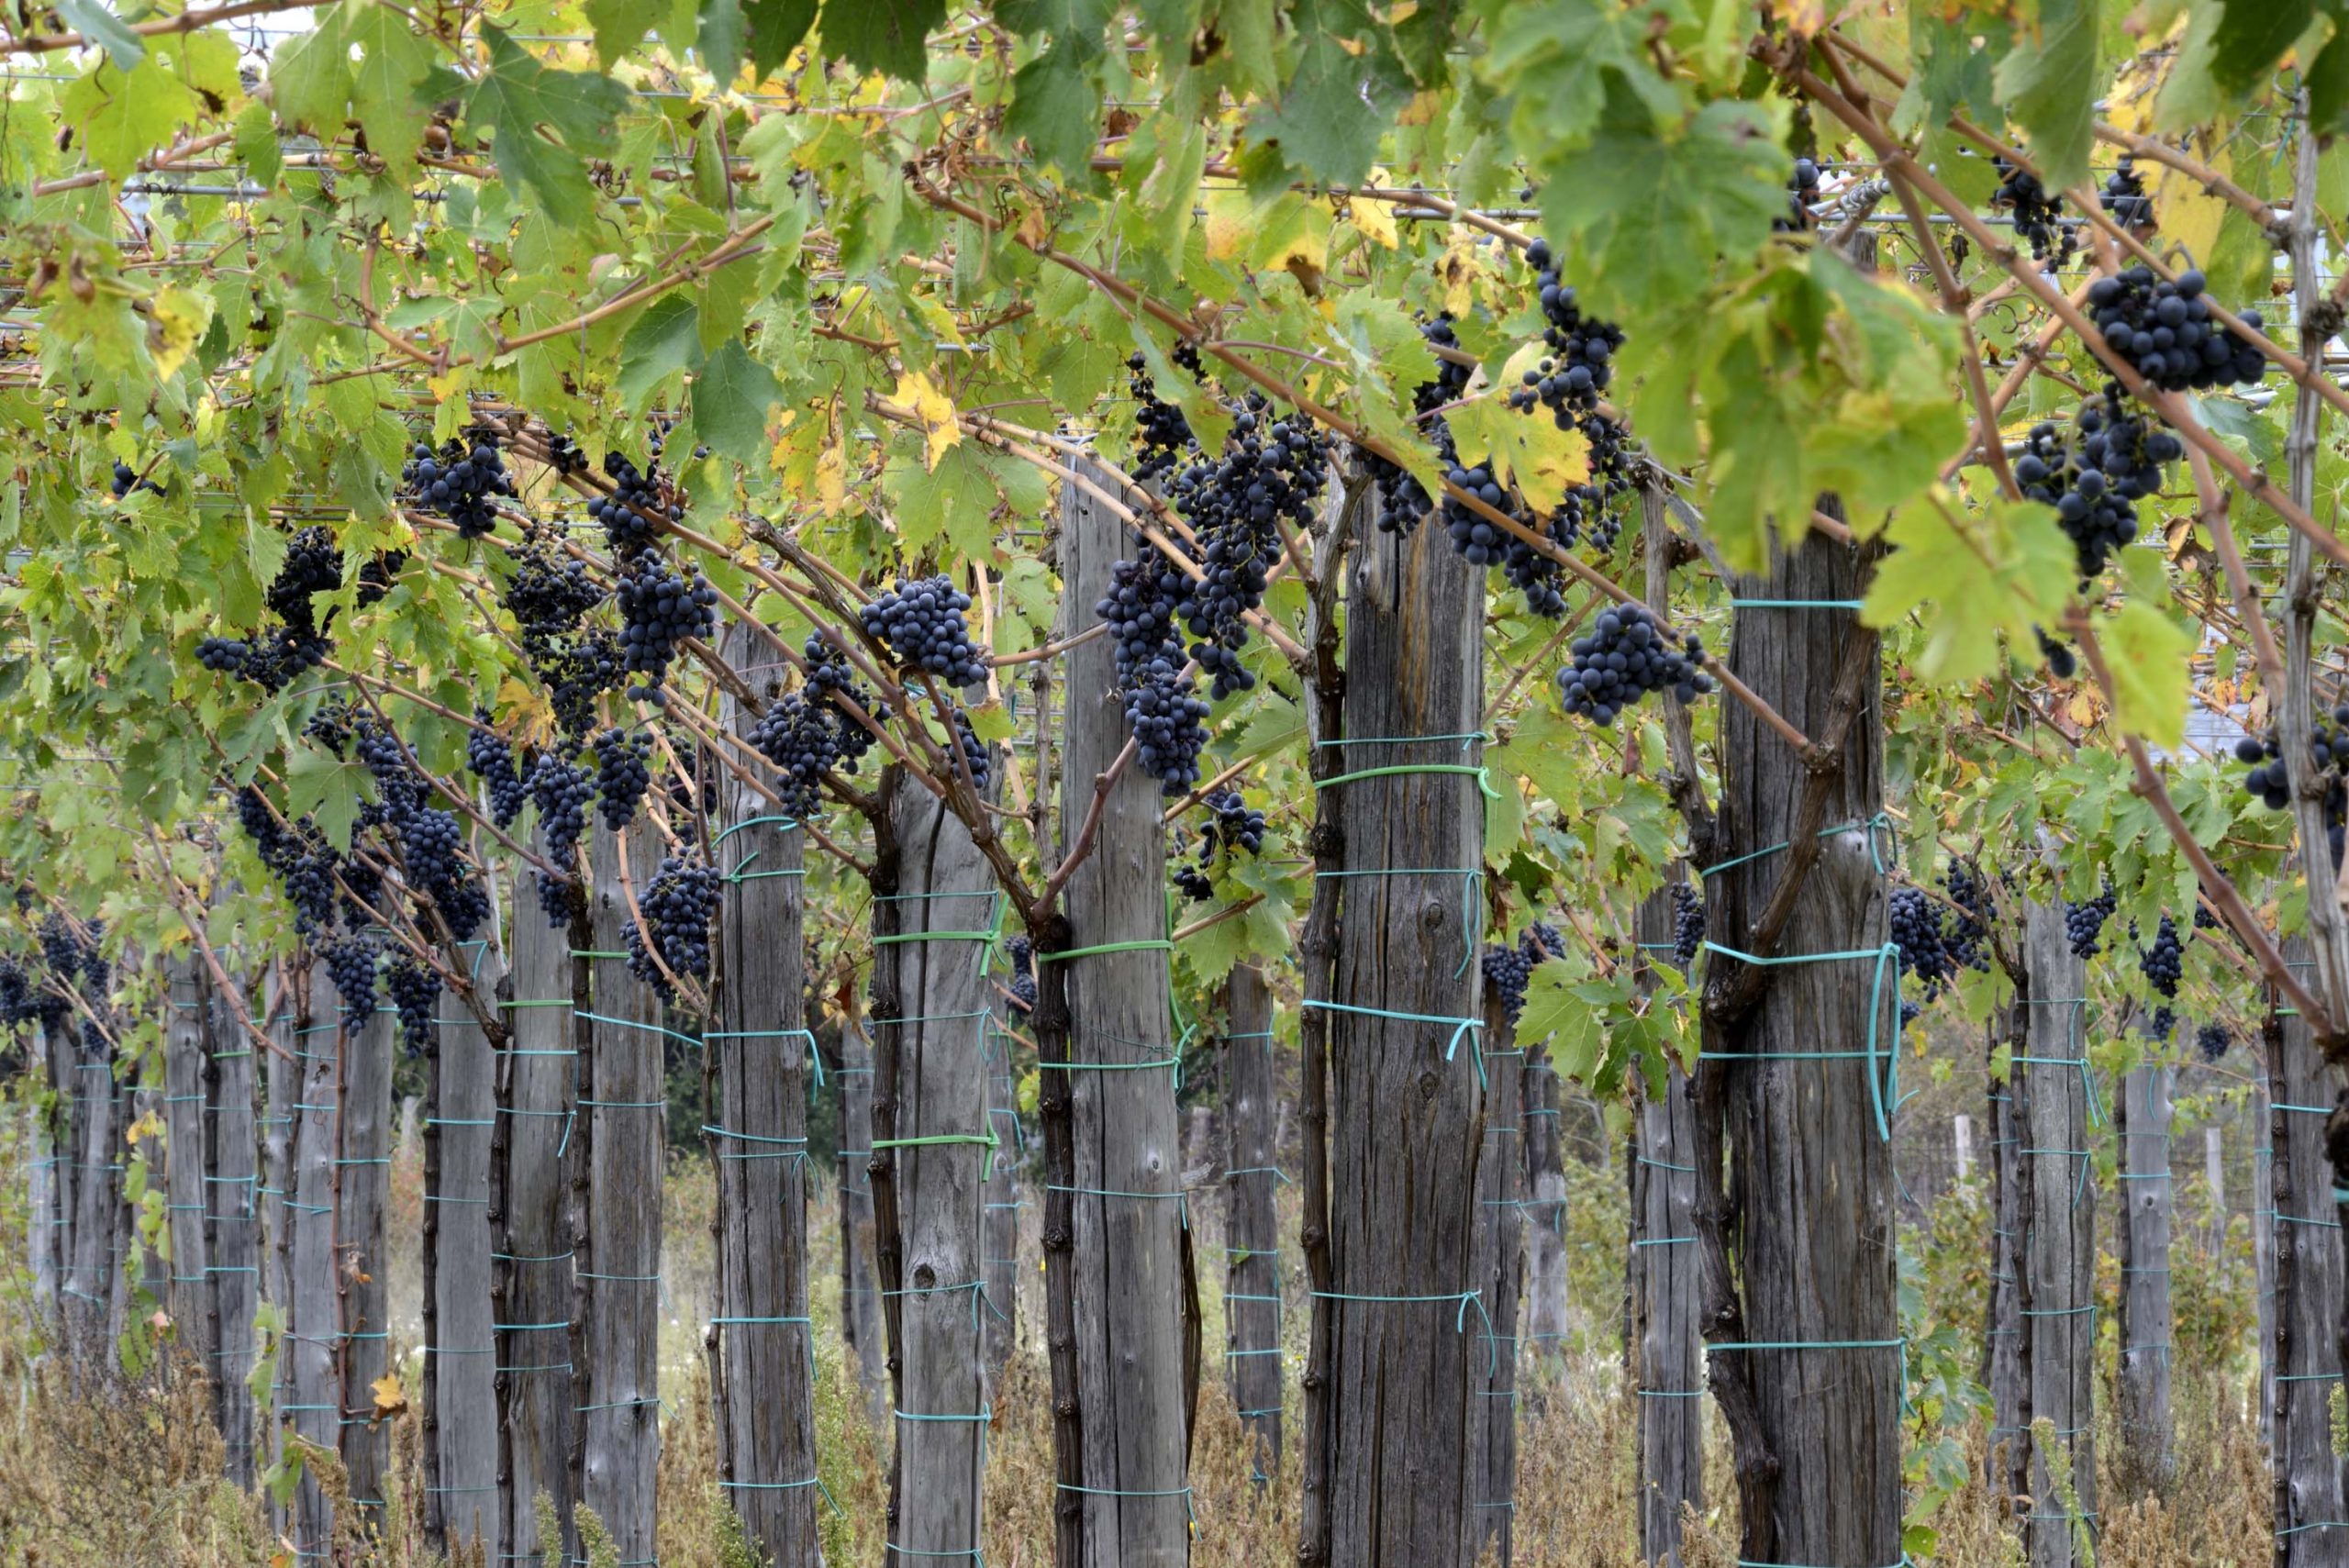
1128 295
2171 407
2215 884
185 22
182 898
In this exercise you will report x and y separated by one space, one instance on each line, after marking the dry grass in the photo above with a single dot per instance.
114 1470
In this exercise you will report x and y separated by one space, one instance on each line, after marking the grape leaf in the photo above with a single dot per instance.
1648 207
2252 36
888 36
732 397
1341 98
516 96
2049 84
100 25
664 340
123 116
2147 653
774 29
1974 576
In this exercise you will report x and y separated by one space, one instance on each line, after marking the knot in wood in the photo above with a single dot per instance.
1056 1240
1065 1408
1430 1082
925 1277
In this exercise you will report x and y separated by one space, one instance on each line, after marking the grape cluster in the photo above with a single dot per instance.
2212 1040
562 789
623 772
428 837
126 480
274 658
1582 348
2061 662
2164 962
350 968
641 505
2164 329
1917 932
461 485
678 906
922 625
1628 655
801 739
1588 510
1164 708
1023 973
549 596
301 860
660 608
1403 501
414 991
1507 972
1270 469
2038 213
1235 829
491 760
2084 923
1162 434
1687 924
2115 458
564 455
1970 926
973 749
2124 198
1802 189
2328 757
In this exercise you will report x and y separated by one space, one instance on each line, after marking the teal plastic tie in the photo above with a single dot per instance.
1875 824
1795 604
1460 1026
1884 1090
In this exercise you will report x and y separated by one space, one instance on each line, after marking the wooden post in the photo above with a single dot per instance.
232 1222
288 988
1253 1295
2214 1176
1545 1209
615 1215
933 931
461 1356
1499 1270
531 1154
2144 1466
195 1318
2056 1281
755 1078
1806 1358
861 1324
1962 1132
999 1231
314 1317
1397 1325
2302 1091
1124 1296
362 1261
1665 1346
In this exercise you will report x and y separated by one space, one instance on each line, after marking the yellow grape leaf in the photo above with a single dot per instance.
831 477
389 1400
1374 218
934 410
1287 233
1459 269
179 318
1527 450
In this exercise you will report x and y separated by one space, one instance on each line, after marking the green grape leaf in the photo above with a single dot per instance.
519 100
100 25
1056 105
2252 36
1973 578
774 29
2049 83
664 340
1647 208
384 82
124 115
2146 653
732 397
888 36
